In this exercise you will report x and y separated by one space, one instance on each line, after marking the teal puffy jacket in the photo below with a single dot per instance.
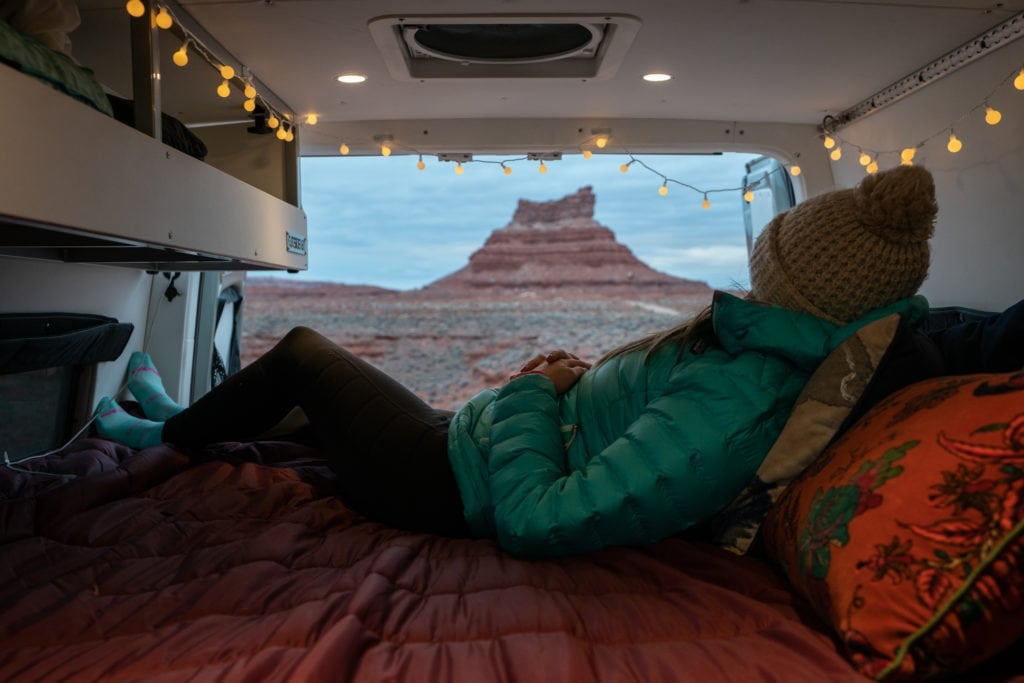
635 452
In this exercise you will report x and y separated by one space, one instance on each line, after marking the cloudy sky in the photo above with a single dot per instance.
381 221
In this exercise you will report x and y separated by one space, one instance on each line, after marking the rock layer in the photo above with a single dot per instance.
559 245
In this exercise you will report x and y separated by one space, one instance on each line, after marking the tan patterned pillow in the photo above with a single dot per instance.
820 410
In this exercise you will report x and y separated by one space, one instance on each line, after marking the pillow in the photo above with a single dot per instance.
906 535
821 408
53 68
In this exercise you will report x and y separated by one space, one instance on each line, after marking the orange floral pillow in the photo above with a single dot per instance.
907 535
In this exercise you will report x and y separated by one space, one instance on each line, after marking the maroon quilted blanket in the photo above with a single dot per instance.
239 564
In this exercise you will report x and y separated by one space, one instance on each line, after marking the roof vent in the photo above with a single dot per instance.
543 46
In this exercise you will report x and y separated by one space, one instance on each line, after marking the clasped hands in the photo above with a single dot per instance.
559 366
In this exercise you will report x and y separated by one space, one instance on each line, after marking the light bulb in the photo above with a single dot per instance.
663 190
249 105
223 90
954 145
273 122
507 169
458 169
836 154
163 19
706 204
135 8
872 167
1018 82
542 168
227 72
385 151
249 92
281 135
587 154
992 116
748 196
343 149
289 136
624 168
829 142
312 119
795 170
907 155
601 142
180 57
419 164
865 159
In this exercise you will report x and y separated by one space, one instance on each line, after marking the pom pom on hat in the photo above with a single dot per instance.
844 253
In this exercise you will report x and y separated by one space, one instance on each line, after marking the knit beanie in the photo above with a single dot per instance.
844 253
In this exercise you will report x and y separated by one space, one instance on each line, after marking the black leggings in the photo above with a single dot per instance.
388 448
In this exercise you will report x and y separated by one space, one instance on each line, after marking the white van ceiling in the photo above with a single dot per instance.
730 60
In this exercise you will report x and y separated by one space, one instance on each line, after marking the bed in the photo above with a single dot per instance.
237 562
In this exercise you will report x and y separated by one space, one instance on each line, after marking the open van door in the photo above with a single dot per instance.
773 193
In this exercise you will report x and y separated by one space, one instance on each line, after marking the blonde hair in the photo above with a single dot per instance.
697 329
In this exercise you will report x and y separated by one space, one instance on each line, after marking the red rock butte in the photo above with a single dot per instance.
558 245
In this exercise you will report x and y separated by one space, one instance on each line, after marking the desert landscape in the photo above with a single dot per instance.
447 348
552 278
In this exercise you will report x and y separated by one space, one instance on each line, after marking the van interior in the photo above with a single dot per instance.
151 162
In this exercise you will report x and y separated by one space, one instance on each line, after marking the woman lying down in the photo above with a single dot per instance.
568 456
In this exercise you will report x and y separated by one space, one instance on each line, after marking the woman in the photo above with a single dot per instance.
567 457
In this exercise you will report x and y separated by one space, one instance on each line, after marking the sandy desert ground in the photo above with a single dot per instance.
446 348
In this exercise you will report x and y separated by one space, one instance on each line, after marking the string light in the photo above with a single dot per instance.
1018 82
281 135
748 195
992 116
706 204
663 190
180 57
601 141
163 19
864 159
343 149
795 170
587 154
312 119
419 164
385 150
836 154
954 145
625 167
542 169
507 170
907 156
829 142
458 168
872 168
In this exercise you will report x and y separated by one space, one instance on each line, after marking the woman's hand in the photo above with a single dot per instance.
559 366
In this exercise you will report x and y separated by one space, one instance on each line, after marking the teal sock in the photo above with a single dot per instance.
148 389
117 425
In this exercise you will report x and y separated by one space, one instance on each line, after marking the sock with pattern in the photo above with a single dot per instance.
148 389
115 424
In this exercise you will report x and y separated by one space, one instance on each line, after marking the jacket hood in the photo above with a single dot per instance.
804 339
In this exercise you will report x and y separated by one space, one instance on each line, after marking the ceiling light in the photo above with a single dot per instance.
657 78
351 78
